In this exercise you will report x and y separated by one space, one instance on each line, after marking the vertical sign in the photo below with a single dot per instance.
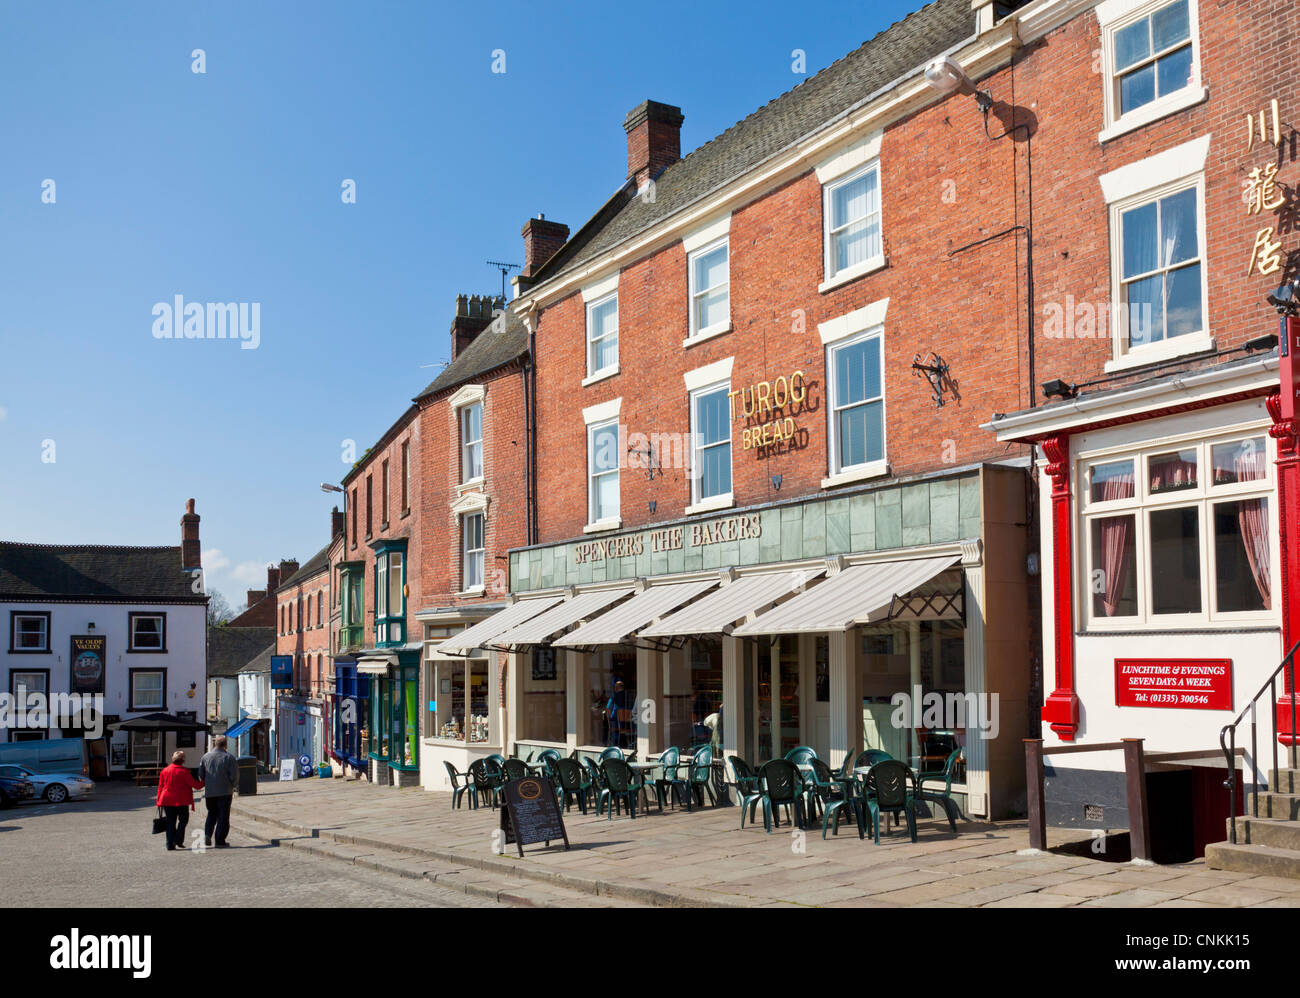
89 653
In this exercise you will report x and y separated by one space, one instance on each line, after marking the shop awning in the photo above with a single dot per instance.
482 633
560 618
375 663
647 606
849 597
717 612
242 726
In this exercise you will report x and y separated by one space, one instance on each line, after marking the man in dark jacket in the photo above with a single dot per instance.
220 775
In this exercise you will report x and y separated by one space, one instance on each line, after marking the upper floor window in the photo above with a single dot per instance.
370 505
474 548
602 335
603 472
711 443
1179 533
29 632
710 288
354 516
319 611
390 595
148 632
383 497
471 442
852 220
406 475
308 619
1150 51
857 424
148 689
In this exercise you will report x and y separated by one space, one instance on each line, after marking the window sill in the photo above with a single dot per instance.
404 514
471 591
706 334
469 486
872 469
383 526
600 375
1157 109
853 273
1179 346
600 526
712 504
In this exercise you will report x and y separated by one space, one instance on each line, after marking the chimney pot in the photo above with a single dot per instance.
654 139
191 557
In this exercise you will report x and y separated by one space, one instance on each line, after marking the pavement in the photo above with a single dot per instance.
703 858
99 853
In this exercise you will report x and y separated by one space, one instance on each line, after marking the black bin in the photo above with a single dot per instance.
247 774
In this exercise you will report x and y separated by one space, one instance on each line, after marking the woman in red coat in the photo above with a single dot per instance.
176 786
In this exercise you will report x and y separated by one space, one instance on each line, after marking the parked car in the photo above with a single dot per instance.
54 787
14 789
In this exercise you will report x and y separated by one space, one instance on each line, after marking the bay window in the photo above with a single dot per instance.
390 593
1179 534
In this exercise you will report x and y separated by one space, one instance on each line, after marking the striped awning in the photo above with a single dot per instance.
718 611
558 619
482 634
617 625
849 597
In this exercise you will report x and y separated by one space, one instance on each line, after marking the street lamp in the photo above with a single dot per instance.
946 76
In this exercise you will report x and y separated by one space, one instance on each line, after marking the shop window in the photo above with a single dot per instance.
711 449
544 685
146 748
460 709
603 471
692 704
1167 543
148 632
710 289
852 220
395 719
857 423
148 689
29 632
602 336
611 691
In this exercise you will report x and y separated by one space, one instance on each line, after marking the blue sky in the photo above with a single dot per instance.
225 187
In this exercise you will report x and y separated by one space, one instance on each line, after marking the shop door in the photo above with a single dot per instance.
775 680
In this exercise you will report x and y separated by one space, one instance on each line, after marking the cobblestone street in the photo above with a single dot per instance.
99 853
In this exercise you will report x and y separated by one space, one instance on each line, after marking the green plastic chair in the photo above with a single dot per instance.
457 787
497 758
613 752
801 755
514 769
486 780
620 787
830 794
782 787
870 757
846 768
890 787
667 780
942 797
573 784
700 776
748 787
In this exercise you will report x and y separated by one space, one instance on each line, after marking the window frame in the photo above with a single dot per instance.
131 645
14 616
695 293
406 478
383 495
466 553
699 501
1203 498
1166 348
134 706
871 467
592 493
390 621
1117 123
463 419
594 373
829 186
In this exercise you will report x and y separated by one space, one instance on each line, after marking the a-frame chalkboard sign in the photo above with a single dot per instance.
530 813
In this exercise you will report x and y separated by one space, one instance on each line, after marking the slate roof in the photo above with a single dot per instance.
314 565
231 648
93 571
898 50
262 663
501 342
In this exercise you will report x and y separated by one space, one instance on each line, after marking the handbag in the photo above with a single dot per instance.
159 823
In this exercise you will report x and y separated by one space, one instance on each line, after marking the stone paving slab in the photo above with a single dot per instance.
704 858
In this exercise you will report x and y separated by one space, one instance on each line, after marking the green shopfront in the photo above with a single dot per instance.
800 623
393 668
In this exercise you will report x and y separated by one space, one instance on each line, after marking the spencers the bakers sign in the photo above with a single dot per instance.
694 535
768 412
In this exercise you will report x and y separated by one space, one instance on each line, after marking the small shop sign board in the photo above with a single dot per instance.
531 814
288 769
1186 683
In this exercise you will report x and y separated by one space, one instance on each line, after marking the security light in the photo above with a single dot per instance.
1285 299
1056 388
946 76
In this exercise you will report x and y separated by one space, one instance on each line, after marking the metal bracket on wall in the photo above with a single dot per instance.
935 371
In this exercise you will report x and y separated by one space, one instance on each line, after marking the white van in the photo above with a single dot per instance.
52 755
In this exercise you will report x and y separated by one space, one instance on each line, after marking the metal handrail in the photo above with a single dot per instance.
1228 739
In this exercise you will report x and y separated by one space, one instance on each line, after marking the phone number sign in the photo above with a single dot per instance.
1189 683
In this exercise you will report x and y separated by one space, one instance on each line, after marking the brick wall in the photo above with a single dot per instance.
301 637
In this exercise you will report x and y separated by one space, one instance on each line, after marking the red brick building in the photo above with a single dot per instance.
303 633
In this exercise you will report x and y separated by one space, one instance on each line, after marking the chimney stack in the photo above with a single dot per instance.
654 140
272 578
542 240
190 557
255 596
287 568
336 523
473 315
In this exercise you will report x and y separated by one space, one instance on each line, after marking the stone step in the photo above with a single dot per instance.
1276 832
1274 805
1285 781
1264 861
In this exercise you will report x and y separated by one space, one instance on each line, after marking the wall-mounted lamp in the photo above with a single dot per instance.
1056 388
90 626
1286 299
776 482
947 77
